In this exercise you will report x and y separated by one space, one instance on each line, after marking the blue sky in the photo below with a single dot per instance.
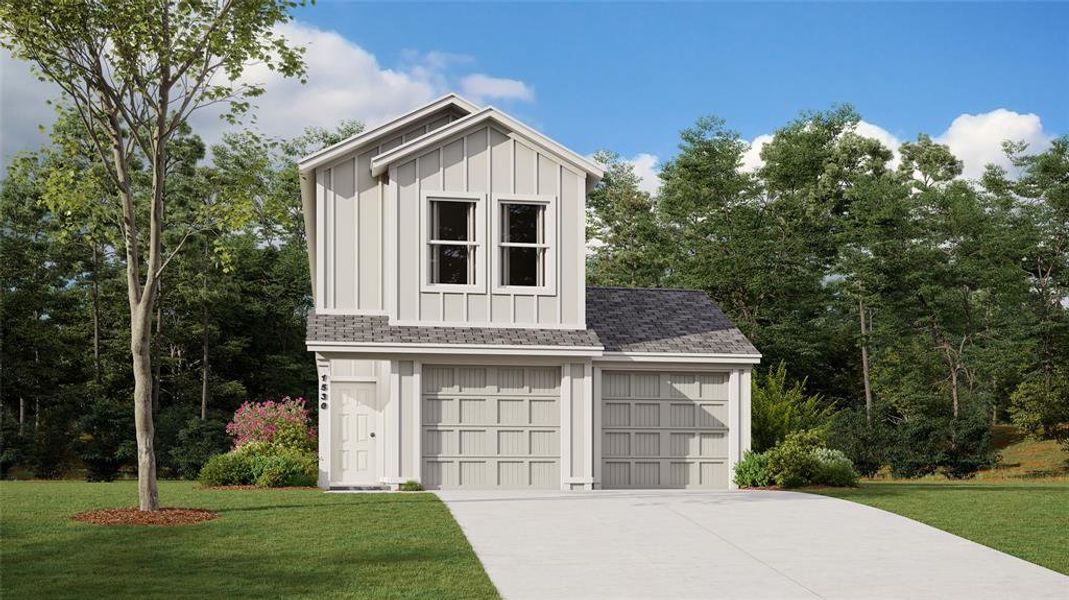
629 76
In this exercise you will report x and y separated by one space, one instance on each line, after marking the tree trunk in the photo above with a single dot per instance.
22 414
155 348
96 313
204 365
140 350
954 388
865 362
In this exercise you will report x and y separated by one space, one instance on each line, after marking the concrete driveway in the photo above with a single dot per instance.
746 544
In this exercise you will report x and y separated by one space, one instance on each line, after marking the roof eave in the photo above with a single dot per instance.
325 155
382 162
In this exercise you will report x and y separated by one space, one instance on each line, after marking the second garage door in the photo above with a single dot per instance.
664 430
490 427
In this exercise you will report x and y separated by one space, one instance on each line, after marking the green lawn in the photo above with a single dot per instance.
278 543
1026 519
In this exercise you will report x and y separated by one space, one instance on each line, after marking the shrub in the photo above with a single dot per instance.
285 423
197 442
956 447
779 408
752 470
834 469
793 462
286 468
1040 404
231 468
411 486
866 445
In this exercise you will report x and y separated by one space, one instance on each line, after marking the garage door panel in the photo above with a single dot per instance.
486 427
664 430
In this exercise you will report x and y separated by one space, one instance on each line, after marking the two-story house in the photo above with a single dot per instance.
458 344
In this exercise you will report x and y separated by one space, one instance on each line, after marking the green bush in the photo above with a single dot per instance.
197 442
956 447
290 434
232 468
834 469
752 470
866 445
286 468
793 462
411 486
779 408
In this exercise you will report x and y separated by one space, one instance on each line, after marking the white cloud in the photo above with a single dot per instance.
24 107
481 88
345 81
645 166
977 139
751 159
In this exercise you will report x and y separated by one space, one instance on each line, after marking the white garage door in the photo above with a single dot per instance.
491 427
664 430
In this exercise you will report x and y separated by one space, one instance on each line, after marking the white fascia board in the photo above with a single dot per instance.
382 162
331 152
679 357
481 349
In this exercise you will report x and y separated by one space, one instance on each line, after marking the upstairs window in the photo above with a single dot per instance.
523 244
452 245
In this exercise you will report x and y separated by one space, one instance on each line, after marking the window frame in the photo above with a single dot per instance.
548 244
475 244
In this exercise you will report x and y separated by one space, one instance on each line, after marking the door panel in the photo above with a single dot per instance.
354 424
664 430
490 427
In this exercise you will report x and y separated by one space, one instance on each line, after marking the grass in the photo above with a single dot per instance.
266 543
1020 507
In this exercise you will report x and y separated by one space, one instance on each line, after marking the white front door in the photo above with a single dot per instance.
355 443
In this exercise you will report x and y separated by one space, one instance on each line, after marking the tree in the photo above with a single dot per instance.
134 72
629 246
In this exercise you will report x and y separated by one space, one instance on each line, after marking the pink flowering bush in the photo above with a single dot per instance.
283 423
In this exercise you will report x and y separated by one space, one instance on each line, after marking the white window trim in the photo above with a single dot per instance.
479 244
549 226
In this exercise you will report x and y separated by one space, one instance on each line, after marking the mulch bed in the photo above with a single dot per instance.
164 517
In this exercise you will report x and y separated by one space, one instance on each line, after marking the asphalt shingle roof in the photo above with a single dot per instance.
662 320
376 329
618 319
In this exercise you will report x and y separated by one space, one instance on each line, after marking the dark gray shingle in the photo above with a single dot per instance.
661 320
620 319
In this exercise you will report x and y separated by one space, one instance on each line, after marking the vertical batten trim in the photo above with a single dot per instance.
566 424
491 259
417 418
332 259
356 242
320 226
588 416
557 271
580 225
733 425
595 426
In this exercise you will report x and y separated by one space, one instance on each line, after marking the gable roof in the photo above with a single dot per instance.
325 155
487 115
662 321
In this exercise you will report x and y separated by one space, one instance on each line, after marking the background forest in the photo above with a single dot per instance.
901 309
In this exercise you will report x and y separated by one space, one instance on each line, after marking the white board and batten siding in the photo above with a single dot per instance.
667 429
488 164
351 236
